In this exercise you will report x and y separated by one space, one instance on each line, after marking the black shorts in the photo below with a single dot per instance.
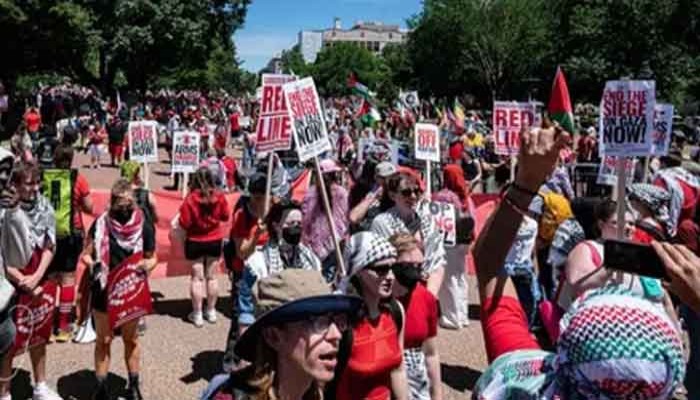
68 250
196 250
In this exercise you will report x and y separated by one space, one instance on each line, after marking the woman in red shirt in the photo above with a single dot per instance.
202 216
375 368
420 336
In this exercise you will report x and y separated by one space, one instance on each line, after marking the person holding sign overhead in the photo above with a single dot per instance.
118 234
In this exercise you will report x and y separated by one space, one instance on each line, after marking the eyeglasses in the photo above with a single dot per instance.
380 270
407 192
320 324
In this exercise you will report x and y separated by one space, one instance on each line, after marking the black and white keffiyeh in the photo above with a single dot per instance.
656 198
364 249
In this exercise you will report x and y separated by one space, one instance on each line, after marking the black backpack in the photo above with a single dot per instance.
345 348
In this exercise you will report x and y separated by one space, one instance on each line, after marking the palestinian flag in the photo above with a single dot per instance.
367 113
358 88
459 116
559 107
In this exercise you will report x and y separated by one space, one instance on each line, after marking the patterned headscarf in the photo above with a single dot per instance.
42 220
362 250
614 345
672 177
656 198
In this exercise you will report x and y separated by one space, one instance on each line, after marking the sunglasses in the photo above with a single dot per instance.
380 270
320 324
407 192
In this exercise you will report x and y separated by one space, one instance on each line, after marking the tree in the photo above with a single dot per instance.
293 62
495 44
335 63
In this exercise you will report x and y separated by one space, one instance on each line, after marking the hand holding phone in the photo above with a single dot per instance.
635 258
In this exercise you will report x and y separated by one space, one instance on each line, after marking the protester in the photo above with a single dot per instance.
420 336
28 279
453 293
374 368
410 214
117 234
577 369
376 201
116 134
70 230
202 216
283 250
16 247
293 345
96 138
653 221
316 231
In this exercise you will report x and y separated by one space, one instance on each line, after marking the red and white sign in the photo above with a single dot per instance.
427 146
34 317
128 294
509 118
445 217
627 118
607 171
143 141
274 131
308 122
185 154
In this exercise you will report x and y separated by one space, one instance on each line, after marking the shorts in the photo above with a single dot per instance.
68 250
98 298
196 250
95 150
116 150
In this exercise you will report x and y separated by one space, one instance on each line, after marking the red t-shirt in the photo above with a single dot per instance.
230 165
688 234
421 317
504 325
33 121
235 124
244 226
81 190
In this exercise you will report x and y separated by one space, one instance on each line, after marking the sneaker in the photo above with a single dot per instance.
210 316
63 336
196 319
43 392
141 327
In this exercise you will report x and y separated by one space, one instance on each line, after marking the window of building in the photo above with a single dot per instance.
391 35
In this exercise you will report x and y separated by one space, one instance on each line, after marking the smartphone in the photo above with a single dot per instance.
635 258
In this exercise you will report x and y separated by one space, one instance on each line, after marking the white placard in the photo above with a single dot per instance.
143 141
509 118
607 171
306 115
627 118
185 154
427 142
663 128
445 217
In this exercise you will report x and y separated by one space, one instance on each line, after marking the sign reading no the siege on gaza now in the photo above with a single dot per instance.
627 118
308 124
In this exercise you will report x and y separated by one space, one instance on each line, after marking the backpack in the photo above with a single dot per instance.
345 348
57 186
555 210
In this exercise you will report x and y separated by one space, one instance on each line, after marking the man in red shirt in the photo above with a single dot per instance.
234 120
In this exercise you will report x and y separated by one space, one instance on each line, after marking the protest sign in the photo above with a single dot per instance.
34 317
627 118
308 124
185 154
274 131
427 142
409 99
128 294
364 144
663 126
445 217
607 171
509 118
143 141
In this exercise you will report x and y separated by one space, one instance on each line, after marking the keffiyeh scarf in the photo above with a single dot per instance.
128 236
672 177
362 250
656 198
43 223
614 345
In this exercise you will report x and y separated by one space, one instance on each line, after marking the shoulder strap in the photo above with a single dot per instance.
597 259
653 230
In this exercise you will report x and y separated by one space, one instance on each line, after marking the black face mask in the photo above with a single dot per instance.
122 215
292 234
408 275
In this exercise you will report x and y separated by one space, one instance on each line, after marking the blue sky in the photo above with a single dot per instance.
273 25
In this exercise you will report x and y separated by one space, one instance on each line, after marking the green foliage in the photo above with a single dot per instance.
142 41
334 64
293 62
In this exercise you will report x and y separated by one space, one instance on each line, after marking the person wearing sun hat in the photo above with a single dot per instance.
614 344
293 345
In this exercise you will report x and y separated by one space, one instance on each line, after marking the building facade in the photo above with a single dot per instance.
373 36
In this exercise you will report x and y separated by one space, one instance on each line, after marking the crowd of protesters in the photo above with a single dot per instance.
306 325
